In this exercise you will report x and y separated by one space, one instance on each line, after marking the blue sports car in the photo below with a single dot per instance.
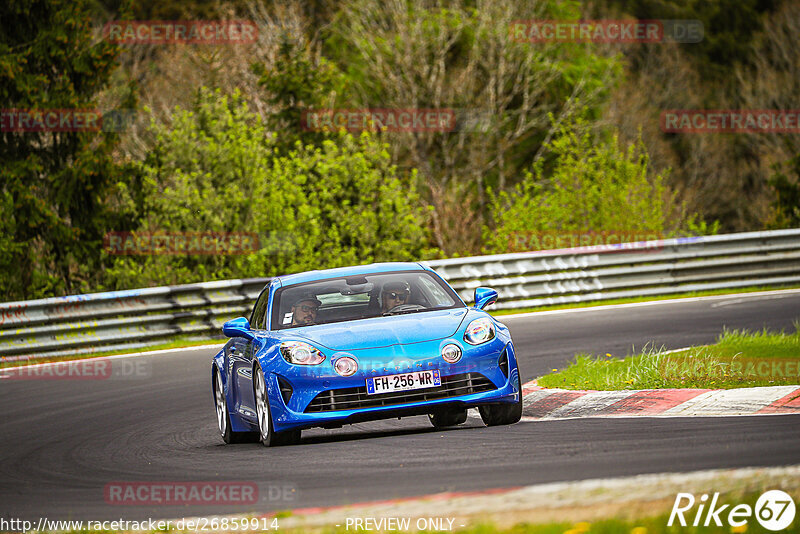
340 346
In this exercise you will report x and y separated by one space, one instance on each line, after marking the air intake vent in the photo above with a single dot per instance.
503 363
286 389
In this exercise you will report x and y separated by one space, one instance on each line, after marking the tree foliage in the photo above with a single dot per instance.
729 27
460 56
299 81
786 183
218 169
553 136
54 184
593 186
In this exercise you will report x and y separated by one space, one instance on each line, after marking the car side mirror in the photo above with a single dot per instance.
484 296
239 327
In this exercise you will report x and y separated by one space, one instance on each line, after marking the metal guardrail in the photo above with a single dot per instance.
122 319
648 268
141 317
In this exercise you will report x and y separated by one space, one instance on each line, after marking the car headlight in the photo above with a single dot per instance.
479 331
300 353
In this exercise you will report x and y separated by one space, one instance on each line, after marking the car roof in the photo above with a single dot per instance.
373 268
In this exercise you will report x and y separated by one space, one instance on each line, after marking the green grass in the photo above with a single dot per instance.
650 298
738 359
174 344
654 524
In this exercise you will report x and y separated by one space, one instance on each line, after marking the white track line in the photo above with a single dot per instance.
121 356
739 296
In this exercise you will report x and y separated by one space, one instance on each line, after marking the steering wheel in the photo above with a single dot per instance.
403 308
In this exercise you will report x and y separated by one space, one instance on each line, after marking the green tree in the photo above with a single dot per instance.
299 81
729 28
358 208
592 187
785 183
54 184
501 88
200 176
217 168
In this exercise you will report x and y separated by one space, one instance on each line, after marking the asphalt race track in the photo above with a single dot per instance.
62 441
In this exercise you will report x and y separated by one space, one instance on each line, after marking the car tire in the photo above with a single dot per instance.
266 430
450 417
224 416
504 413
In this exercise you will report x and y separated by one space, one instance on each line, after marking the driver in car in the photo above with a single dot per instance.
304 311
394 294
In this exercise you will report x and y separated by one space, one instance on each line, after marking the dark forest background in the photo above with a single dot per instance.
551 137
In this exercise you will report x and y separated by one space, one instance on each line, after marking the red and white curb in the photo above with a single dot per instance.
546 404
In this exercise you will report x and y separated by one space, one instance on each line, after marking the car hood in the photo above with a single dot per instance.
384 331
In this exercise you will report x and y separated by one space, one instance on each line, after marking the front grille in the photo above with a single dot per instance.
354 398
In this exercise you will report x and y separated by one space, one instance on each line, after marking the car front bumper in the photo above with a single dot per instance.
486 374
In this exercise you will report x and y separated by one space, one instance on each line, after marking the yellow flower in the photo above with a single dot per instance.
740 529
579 528
638 530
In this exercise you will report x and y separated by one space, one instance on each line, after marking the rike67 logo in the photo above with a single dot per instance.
774 510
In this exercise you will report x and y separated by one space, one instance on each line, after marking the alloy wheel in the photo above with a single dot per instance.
261 405
219 395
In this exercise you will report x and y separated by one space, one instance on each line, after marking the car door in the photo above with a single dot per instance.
243 362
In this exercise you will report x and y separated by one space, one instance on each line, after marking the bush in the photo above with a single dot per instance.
591 187
217 169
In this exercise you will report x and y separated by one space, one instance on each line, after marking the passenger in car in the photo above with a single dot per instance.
304 311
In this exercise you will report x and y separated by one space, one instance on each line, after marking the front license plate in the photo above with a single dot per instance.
403 382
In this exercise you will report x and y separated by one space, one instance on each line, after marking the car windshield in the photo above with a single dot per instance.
361 297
